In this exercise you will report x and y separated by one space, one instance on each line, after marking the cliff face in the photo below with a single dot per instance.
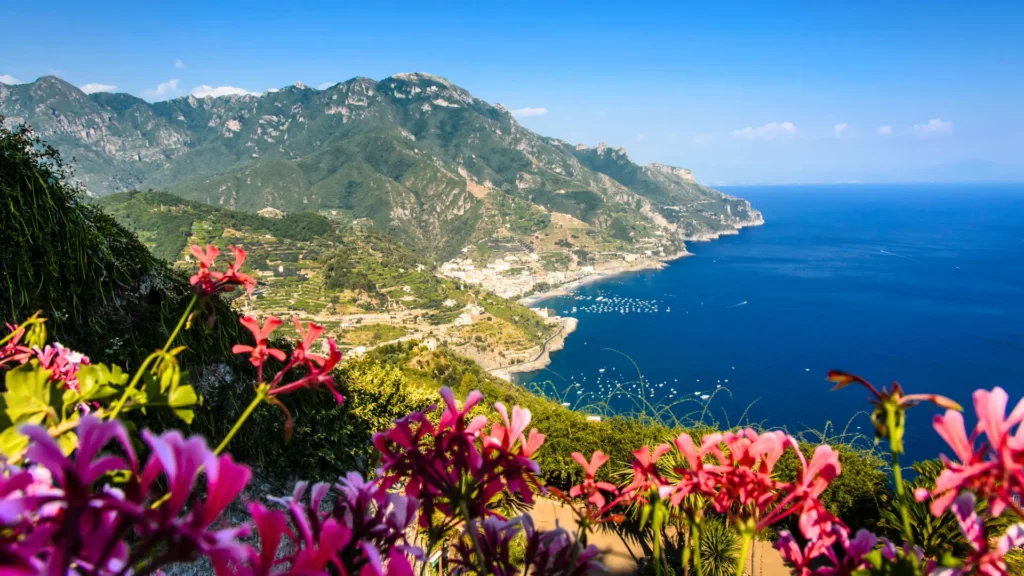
416 155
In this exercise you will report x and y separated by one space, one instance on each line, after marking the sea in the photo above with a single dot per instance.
920 284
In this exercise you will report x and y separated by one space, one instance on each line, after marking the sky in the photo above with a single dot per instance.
742 93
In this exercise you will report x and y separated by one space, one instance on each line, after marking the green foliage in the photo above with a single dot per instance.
719 548
936 536
39 396
104 293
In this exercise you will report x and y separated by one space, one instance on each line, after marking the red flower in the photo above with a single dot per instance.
207 281
318 374
260 352
590 488
307 337
234 275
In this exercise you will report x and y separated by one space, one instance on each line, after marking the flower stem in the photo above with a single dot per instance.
745 543
897 473
131 385
151 357
695 542
482 565
181 322
261 395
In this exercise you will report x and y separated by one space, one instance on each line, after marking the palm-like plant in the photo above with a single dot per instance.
719 547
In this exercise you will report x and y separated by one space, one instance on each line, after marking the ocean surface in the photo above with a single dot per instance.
923 284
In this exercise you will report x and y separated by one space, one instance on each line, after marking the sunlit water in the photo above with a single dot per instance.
922 284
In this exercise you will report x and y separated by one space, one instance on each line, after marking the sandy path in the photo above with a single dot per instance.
619 558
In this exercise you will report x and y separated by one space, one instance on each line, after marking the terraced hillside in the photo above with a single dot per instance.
364 287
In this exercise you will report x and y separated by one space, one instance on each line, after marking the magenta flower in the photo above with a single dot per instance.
101 528
362 532
986 560
453 469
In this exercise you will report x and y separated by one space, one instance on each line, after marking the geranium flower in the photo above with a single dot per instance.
453 469
307 337
258 354
645 472
991 470
986 560
208 281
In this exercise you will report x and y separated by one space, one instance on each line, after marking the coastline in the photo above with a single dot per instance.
647 264
569 324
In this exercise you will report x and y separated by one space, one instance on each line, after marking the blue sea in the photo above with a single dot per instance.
923 284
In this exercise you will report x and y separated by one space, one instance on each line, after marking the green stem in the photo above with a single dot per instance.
151 357
482 566
746 542
897 472
181 322
261 395
131 385
696 549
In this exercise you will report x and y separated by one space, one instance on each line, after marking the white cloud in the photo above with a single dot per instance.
94 87
527 112
8 79
218 91
179 64
640 137
703 139
325 85
840 128
934 127
769 131
885 130
164 89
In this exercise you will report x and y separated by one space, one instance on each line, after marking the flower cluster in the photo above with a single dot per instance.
208 281
364 532
62 363
485 548
992 469
455 467
81 520
317 369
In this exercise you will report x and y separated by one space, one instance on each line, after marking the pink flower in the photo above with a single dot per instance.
308 337
645 471
985 560
590 488
993 471
207 281
62 362
260 352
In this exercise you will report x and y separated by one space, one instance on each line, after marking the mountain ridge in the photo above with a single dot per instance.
415 154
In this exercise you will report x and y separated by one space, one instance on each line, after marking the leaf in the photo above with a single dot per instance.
28 394
12 443
67 442
181 399
96 382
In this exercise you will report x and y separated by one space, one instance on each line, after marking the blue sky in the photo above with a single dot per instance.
764 92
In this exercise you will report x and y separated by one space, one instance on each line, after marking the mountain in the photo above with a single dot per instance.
419 157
